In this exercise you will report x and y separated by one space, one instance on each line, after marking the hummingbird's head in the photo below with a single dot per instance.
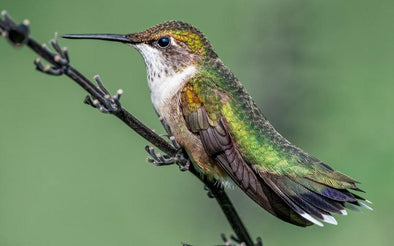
167 48
170 47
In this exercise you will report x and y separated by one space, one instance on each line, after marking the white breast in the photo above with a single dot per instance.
163 88
163 81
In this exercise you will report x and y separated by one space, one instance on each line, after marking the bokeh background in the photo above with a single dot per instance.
322 71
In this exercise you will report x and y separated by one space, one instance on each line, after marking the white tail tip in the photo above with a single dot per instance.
365 206
311 219
343 212
329 219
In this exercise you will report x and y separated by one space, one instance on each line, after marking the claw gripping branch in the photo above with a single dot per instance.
99 97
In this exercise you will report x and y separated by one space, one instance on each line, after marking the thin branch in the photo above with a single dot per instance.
18 35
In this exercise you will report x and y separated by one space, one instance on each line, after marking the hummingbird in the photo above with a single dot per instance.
226 135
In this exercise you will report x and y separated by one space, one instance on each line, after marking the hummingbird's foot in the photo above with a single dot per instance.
159 159
174 143
60 56
230 242
112 102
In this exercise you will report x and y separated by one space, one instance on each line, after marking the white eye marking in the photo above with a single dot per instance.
174 43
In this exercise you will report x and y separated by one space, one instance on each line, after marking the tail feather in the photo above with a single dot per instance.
324 190
353 207
312 200
281 209
271 183
319 201
305 206
360 204
365 206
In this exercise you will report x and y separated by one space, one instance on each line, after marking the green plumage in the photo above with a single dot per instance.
304 185
257 140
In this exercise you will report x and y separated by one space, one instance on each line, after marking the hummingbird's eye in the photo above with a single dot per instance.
164 42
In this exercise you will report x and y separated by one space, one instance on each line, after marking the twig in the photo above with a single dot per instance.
18 35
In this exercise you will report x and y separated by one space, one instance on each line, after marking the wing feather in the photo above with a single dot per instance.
280 177
219 145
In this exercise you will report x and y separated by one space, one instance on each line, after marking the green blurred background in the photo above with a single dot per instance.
321 70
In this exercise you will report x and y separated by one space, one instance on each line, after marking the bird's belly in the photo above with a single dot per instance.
173 116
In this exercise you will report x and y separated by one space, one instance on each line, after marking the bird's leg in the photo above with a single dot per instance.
233 241
112 103
168 131
159 159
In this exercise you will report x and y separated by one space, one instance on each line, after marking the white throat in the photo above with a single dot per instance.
163 81
164 88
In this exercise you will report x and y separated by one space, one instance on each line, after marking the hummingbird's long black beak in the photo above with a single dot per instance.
108 37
